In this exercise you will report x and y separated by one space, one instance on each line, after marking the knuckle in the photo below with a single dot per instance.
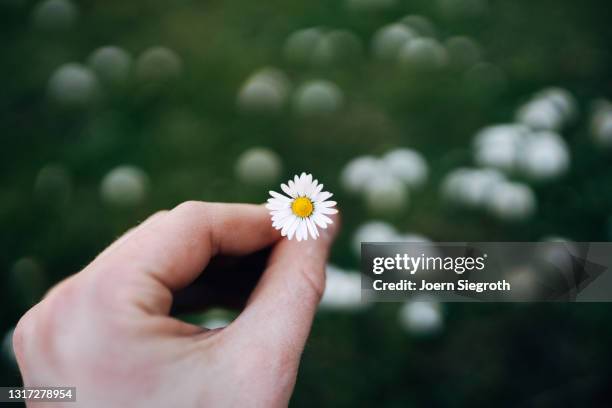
58 297
39 329
158 214
56 303
22 333
192 207
313 279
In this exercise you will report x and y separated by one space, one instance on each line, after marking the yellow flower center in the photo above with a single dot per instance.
302 207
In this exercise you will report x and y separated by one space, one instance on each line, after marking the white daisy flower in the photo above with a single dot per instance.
305 208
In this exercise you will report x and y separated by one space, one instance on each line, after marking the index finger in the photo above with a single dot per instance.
174 249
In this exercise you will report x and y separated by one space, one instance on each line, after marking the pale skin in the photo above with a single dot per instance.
107 331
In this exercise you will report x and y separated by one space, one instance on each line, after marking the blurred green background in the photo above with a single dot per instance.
179 109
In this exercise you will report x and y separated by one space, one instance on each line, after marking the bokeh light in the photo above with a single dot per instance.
74 85
259 166
111 63
125 185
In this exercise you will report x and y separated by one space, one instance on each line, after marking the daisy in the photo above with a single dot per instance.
305 208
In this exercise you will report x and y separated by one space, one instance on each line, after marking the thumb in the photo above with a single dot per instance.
281 309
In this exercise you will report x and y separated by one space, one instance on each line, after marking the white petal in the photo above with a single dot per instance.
287 189
300 185
303 233
316 192
279 196
281 216
295 227
316 217
324 195
280 223
308 179
281 211
325 218
321 220
327 211
298 234
289 225
312 228
311 189
326 204
275 205
293 188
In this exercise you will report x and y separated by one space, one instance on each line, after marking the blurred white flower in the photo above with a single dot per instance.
317 97
549 109
216 323
386 194
321 47
421 317
408 165
540 114
265 91
373 231
489 189
215 318
342 290
368 174
539 155
601 123
524 283
388 40
7 346
73 85
454 183
158 64
124 186
359 172
423 53
300 45
499 146
511 201
55 14
345 46
562 99
258 166
479 184
470 187
111 63
544 155
324 52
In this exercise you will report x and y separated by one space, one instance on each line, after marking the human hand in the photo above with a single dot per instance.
107 331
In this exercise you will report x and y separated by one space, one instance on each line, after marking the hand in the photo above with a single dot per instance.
107 331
